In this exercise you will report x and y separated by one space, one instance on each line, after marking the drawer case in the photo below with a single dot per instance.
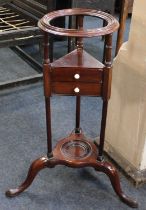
70 78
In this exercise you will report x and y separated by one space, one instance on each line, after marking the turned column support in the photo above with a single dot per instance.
47 92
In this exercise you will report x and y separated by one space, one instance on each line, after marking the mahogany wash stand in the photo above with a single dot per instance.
77 74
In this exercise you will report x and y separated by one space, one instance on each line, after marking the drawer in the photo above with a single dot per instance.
74 88
76 74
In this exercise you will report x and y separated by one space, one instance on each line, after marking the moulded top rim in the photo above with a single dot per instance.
45 23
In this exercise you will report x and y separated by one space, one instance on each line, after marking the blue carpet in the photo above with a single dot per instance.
23 139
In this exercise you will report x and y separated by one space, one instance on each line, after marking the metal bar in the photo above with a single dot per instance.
6 18
24 27
25 56
22 81
3 21
16 20
9 29
3 11
18 42
3 8
35 31
16 26
19 24
5 14
23 12
4 26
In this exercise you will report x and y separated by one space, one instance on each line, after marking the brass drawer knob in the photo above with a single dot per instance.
76 76
76 90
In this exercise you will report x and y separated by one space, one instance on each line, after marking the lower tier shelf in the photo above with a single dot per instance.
74 151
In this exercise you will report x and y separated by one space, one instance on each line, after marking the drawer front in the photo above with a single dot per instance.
76 74
73 88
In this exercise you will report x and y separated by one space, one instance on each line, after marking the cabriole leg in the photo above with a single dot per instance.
112 173
35 167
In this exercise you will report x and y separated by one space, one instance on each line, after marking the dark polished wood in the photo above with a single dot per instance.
78 62
77 152
122 20
86 89
77 73
46 23
124 7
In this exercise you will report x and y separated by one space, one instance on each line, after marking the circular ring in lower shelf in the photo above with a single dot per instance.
76 149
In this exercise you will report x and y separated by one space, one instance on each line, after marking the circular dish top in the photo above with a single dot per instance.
45 23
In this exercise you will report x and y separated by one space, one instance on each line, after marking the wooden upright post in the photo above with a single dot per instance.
47 92
106 90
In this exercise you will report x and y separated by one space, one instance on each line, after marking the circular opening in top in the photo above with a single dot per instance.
47 23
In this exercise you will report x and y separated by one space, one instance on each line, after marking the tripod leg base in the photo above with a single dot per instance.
77 152
35 167
112 173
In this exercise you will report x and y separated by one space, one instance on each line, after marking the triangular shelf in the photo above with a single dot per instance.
77 58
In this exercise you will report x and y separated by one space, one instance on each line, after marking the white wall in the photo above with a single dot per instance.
126 121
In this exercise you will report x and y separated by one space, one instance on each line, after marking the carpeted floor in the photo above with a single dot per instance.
12 67
23 139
